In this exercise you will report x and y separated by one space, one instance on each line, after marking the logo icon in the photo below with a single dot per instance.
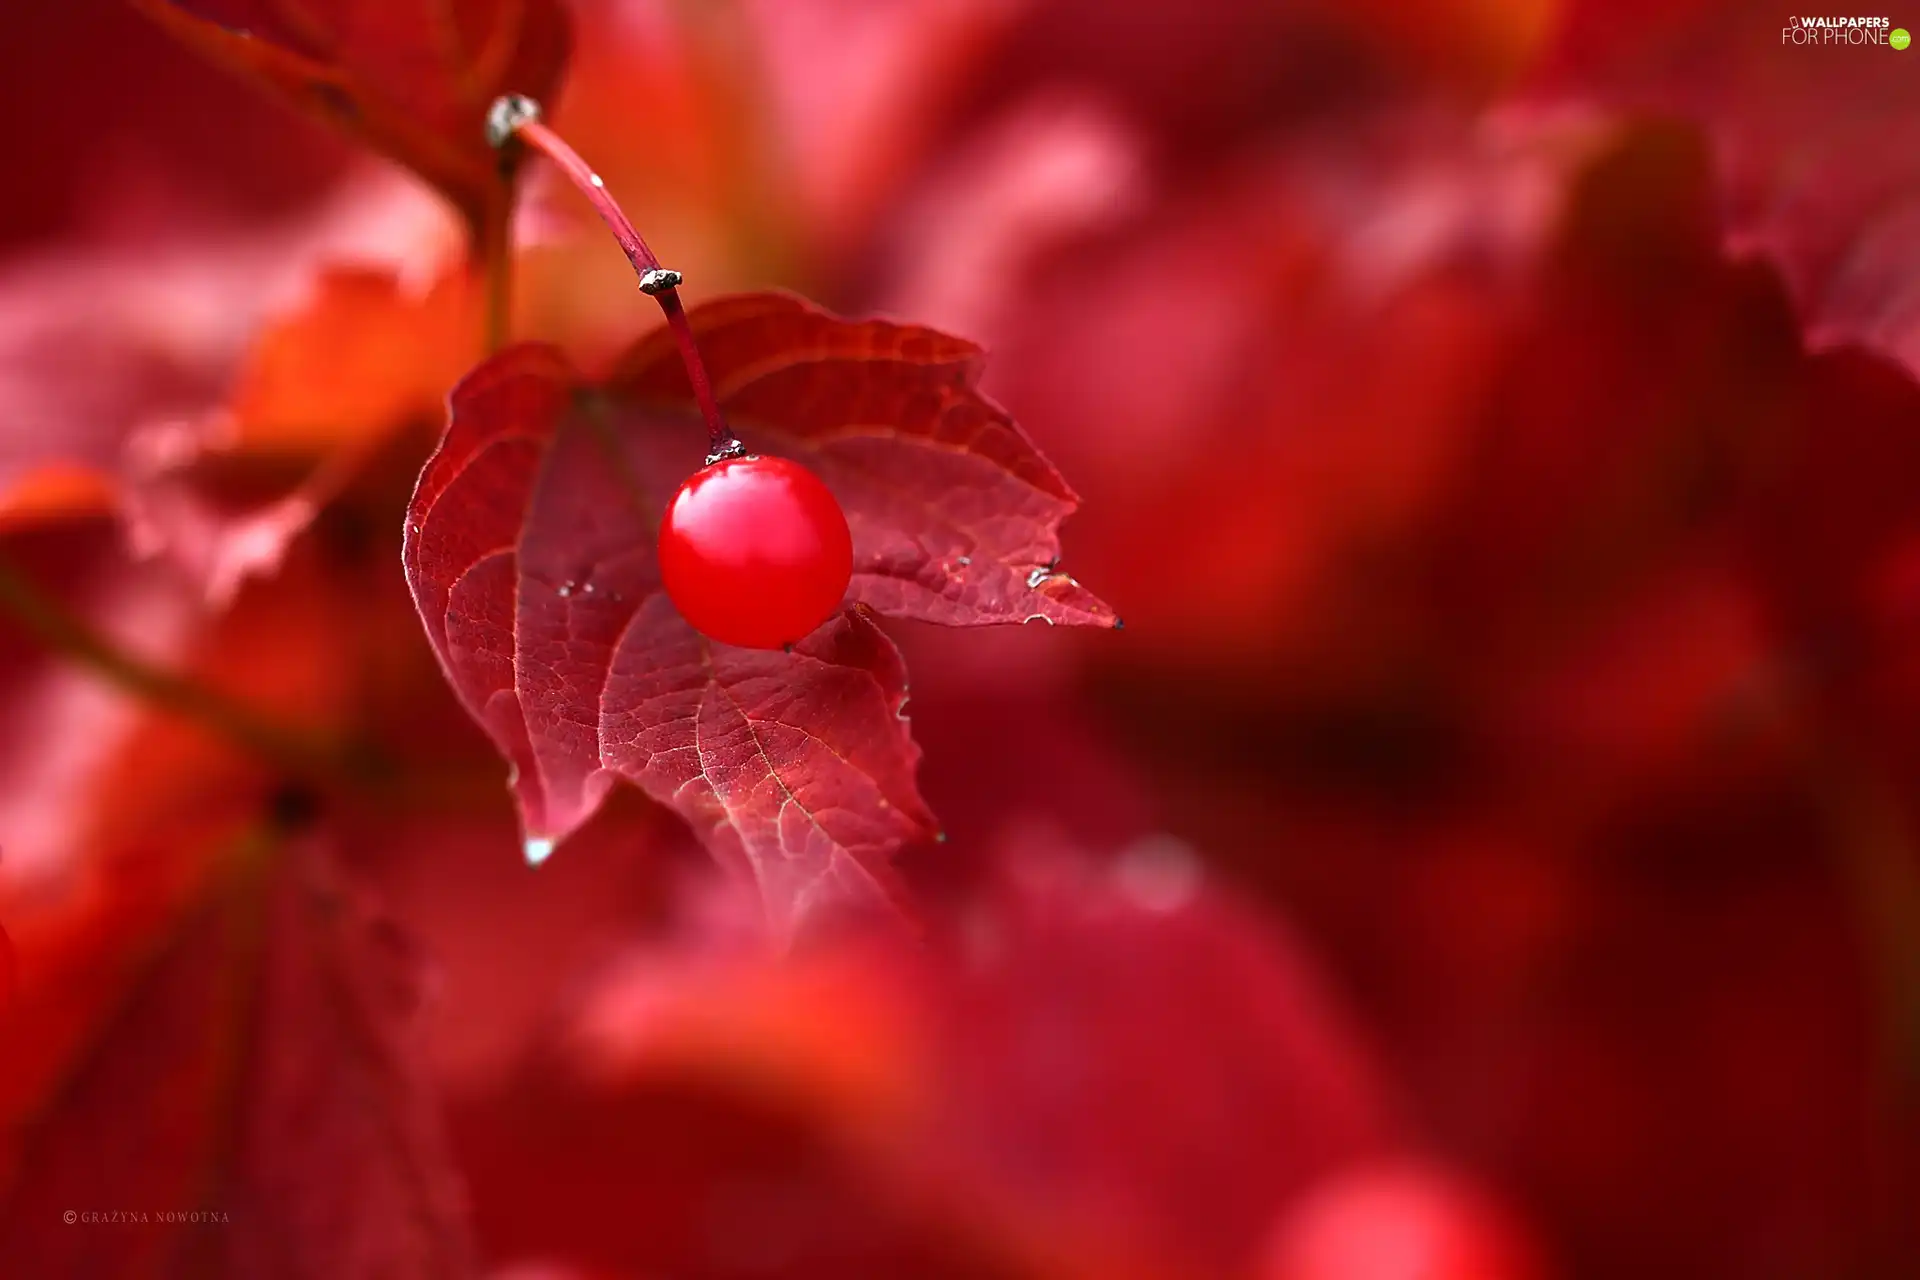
1899 38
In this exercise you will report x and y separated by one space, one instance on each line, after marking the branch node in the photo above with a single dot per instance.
507 114
657 280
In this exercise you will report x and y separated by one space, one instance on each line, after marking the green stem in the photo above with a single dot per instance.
296 753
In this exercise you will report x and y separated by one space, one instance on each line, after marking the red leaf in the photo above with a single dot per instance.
148 113
1104 1074
117 357
411 79
1800 137
954 512
335 379
530 553
257 1063
197 985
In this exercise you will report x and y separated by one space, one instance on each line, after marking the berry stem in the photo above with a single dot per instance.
515 117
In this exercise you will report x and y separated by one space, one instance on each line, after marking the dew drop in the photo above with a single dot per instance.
538 849
964 560
564 590
596 180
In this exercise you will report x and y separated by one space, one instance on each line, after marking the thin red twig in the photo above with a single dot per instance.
521 120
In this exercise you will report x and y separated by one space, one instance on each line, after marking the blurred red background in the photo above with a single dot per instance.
1489 850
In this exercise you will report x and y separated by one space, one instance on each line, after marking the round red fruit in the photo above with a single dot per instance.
755 552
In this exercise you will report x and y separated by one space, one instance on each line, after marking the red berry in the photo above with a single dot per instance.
755 552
